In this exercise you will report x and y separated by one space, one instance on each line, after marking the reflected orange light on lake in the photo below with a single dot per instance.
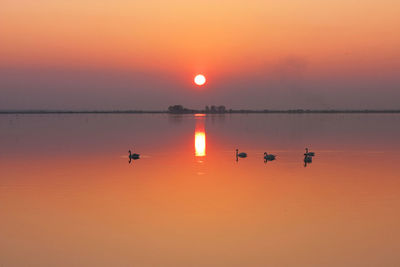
66 209
200 143
200 136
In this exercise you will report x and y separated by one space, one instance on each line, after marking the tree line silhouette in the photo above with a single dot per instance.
179 109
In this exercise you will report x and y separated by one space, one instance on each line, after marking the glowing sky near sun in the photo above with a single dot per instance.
122 54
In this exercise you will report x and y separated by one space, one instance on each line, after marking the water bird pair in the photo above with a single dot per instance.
308 157
244 155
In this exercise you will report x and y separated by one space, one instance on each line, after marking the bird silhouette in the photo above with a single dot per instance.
309 154
240 155
269 157
133 156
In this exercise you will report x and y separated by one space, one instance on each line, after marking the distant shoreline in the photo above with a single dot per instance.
297 111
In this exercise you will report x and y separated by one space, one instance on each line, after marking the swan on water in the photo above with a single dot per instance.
269 156
309 154
133 156
240 155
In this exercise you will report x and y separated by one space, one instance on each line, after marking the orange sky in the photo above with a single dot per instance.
223 39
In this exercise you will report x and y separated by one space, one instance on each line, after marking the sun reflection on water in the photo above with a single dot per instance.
200 143
200 137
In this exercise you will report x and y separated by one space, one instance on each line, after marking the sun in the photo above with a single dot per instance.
200 79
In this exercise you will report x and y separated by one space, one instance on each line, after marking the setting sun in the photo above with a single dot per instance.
200 79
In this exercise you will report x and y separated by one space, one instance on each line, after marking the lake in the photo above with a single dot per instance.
70 197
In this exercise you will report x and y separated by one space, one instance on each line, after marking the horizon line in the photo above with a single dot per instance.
193 111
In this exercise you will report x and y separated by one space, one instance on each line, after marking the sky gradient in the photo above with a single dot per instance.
124 54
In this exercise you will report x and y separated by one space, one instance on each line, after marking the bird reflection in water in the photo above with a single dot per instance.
307 160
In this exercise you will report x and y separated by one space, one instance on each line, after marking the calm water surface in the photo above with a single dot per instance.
69 197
